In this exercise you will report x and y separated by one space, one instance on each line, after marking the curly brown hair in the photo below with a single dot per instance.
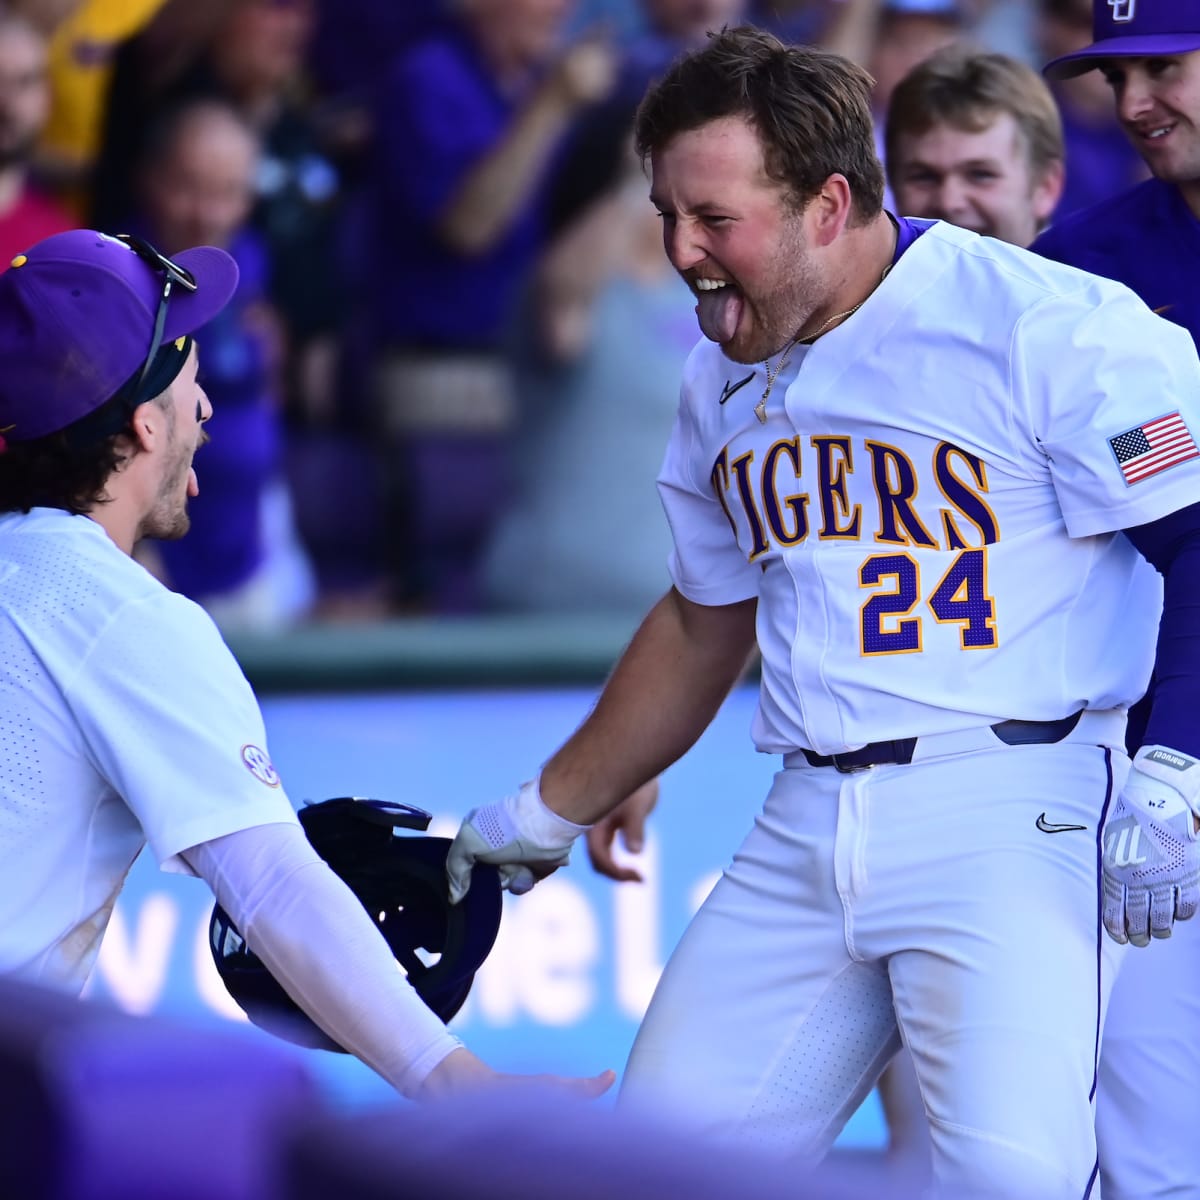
810 108
53 472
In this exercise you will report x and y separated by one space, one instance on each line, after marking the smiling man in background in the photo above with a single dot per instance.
975 138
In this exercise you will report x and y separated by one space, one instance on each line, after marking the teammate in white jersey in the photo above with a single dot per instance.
125 717
903 462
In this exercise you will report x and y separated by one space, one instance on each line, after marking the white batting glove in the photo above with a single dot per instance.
520 835
1151 860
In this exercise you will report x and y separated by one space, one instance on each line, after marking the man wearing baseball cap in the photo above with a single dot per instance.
1133 29
1149 239
126 720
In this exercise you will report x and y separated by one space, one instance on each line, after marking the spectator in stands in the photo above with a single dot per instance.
26 214
608 328
975 138
356 43
83 45
593 158
151 72
253 54
256 60
466 127
909 31
242 561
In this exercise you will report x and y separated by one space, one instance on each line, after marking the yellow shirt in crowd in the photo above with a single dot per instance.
82 50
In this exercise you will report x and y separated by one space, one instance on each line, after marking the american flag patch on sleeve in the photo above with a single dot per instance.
1148 449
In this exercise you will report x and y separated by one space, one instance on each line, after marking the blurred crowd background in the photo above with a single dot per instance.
449 373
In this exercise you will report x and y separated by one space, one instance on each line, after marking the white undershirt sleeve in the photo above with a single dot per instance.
318 942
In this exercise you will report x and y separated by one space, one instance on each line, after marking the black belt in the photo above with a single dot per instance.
901 750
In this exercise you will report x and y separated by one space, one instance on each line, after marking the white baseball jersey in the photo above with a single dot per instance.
926 507
125 719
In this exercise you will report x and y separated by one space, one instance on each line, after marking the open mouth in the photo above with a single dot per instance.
719 308
1156 134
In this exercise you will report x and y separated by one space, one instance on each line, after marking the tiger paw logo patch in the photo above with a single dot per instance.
259 764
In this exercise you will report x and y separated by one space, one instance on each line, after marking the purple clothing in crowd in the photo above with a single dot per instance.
1149 239
356 41
225 547
438 115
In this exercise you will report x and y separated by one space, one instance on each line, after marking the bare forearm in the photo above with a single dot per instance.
492 194
662 695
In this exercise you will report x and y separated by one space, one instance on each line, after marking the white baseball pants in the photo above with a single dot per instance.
917 901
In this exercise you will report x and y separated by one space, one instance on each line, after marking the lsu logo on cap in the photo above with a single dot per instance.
1122 10
259 764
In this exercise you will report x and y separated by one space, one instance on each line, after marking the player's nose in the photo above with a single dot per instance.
950 199
684 244
1134 99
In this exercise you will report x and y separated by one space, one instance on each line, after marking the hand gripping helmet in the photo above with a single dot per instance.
401 882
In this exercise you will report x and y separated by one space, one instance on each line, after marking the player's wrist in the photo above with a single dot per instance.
459 1071
540 823
1170 768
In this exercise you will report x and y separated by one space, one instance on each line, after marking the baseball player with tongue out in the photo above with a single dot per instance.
919 469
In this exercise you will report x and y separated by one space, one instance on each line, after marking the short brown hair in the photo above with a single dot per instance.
810 108
968 88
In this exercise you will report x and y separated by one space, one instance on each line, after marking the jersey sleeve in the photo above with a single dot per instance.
1113 396
174 727
706 564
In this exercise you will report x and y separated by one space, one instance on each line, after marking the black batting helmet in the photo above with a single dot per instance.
401 882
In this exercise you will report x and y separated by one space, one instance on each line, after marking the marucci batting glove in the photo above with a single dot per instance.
1151 848
520 835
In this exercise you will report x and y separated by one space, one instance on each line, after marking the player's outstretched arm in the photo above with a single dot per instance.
312 933
661 696
460 1071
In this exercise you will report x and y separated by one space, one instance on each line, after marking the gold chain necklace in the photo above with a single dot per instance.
760 409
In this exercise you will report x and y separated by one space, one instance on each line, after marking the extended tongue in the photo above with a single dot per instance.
718 313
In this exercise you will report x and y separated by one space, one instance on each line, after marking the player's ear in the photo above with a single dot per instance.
148 425
829 210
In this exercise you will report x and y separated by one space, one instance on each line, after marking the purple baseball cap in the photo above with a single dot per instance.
1133 29
76 318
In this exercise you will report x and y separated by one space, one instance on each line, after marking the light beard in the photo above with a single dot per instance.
789 306
168 520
